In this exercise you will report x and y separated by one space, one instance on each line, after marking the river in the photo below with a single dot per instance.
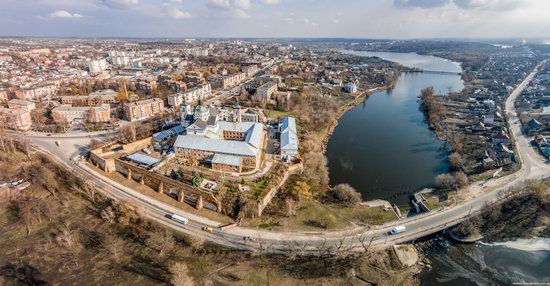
385 150
507 263
383 147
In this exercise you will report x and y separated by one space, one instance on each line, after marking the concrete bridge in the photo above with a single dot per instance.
431 72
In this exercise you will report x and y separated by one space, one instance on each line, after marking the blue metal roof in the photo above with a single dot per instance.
163 135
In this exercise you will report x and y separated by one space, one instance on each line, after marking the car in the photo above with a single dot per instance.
397 229
207 229
249 238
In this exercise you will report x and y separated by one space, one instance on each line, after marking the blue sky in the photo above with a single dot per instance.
276 18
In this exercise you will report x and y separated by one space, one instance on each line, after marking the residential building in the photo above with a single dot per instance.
264 92
78 114
144 109
38 91
289 138
97 66
120 61
191 95
250 70
231 81
21 104
196 52
16 119
107 96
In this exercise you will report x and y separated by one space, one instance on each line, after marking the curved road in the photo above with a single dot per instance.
303 243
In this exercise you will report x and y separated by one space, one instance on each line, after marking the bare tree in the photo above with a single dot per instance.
108 214
26 147
180 275
61 121
90 190
291 207
195 242
115 246
461 179
127 133
366 244
445 181
456 161
346 195
162 241
94 144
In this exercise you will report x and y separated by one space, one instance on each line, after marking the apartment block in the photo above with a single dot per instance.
250 70
191 95
144 109
39 91
233 80
265 91
76 115
100 97
16 119
97 66
21 104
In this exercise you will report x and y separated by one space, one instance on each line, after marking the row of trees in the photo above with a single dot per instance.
431 107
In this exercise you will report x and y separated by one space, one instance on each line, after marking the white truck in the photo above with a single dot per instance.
180 219
397 229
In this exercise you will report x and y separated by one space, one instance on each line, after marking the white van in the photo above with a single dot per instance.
397 229
179 218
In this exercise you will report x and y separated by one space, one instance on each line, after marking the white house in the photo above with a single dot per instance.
289 138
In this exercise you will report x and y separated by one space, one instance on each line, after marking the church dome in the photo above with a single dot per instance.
201 111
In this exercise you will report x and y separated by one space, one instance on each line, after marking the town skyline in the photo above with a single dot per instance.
398 19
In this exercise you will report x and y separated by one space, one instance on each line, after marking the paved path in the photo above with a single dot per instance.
337 242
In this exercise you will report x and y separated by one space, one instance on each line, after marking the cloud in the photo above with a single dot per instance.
462 4
64 14
174 10
119 4
421 3
239 8
488 4
307 21
177 13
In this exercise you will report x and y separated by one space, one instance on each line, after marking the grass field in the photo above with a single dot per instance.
276 114
314 216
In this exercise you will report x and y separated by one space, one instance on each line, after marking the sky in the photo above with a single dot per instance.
400 19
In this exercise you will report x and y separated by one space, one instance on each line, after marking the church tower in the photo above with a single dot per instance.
185 109
237 112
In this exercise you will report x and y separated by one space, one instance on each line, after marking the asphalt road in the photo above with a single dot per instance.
318 243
